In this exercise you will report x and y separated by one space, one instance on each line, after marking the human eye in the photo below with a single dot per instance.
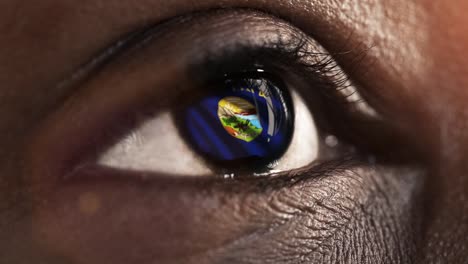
266 101
245 124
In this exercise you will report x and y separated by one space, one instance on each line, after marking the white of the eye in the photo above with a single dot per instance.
156 146
304 145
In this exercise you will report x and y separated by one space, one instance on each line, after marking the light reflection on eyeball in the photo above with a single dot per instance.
250 125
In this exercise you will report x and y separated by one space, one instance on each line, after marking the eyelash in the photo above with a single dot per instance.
324 75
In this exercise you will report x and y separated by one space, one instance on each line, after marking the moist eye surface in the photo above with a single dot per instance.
244 122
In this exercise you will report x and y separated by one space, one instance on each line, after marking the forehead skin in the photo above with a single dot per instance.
420 76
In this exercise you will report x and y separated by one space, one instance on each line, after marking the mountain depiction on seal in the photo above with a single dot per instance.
239 118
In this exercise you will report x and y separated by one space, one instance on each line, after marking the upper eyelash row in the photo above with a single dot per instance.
324 65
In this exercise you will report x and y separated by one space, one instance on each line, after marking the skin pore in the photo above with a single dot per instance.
54 93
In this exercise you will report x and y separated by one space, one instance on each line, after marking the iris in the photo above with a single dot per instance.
243 122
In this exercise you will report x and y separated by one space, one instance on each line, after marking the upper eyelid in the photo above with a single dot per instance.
144 36
277 35
129 44
140 37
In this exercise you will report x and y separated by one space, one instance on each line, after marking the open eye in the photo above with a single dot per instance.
249 110
266 101
246 123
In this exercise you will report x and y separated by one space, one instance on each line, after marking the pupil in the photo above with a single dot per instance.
244 123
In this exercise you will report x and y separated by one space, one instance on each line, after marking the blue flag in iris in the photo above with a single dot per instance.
246 120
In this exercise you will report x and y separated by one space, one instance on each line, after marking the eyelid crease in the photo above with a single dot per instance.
100 60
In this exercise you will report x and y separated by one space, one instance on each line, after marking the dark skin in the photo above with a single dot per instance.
413 210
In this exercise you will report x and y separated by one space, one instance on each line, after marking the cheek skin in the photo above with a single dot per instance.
315 219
